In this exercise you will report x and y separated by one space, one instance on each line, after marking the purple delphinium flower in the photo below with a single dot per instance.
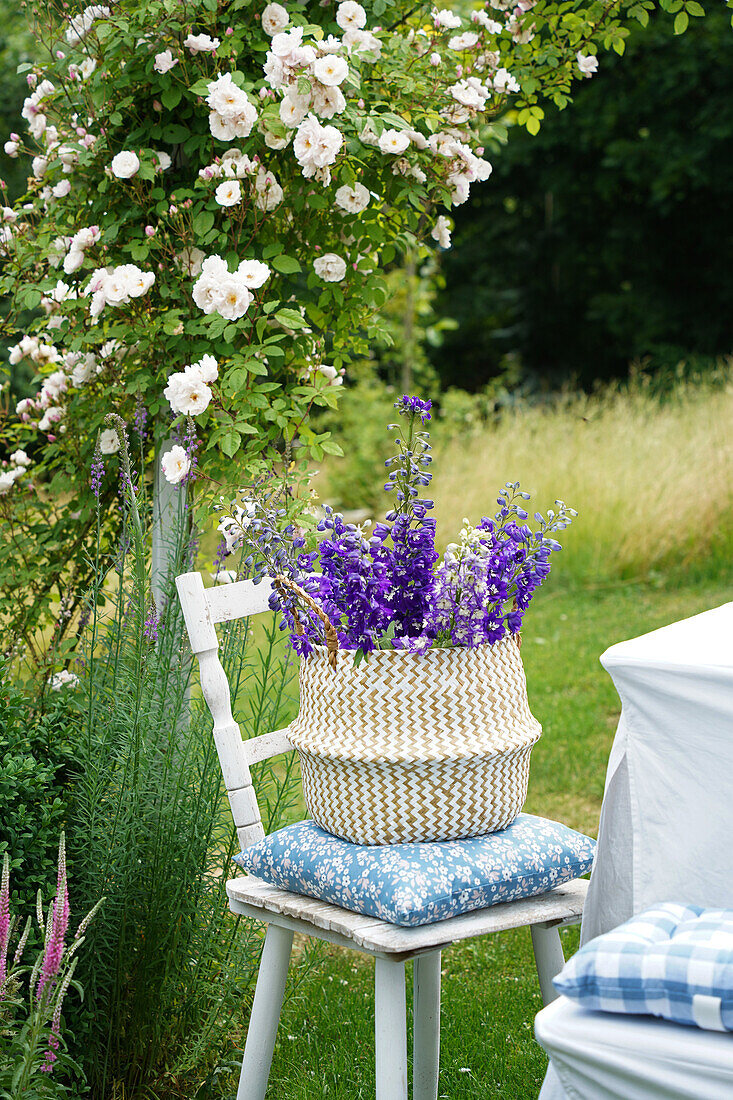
152 624
140 420
414 406
97 473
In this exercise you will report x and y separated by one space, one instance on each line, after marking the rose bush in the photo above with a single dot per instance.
225 183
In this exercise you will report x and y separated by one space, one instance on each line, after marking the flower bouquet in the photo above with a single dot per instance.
414 722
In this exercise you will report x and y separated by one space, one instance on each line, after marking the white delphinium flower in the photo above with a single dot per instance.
393 141
274 19
125 165
350 16
64 678
331 70
444 17
175 464
228 193
164 61
587 63
352 199
330 267
316 146
201 43
441 231
109 442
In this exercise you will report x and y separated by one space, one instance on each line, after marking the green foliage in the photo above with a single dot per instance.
168 964
36 769
606 238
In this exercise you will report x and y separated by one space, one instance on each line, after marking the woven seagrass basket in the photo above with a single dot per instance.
408 747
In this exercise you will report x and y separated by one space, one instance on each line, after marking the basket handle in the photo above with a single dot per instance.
282 585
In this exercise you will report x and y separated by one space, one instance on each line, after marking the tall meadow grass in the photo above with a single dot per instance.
652 478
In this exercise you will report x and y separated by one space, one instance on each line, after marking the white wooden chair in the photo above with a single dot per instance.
285 913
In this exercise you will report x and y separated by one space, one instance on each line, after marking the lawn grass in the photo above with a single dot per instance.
490 995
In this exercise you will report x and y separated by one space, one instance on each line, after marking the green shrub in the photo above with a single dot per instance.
36 766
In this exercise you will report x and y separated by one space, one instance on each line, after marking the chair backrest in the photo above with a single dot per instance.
203 608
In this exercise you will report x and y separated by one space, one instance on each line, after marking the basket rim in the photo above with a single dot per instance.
320 650
381 760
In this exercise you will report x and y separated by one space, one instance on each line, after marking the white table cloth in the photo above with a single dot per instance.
667 815
600 1056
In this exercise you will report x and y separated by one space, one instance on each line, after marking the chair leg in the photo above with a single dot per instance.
548 957
265 1016
426 1038
390 1029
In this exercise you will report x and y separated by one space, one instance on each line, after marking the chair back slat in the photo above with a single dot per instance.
238 600
202 609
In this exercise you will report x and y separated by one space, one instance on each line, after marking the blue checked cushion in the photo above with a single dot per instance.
411 884
673 961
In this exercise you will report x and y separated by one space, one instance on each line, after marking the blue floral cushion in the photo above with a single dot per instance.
411 884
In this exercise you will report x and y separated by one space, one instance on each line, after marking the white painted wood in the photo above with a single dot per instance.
390 1029
561 906
265 1016
168 504
238 600
266 745
196 614
426 1027
549 958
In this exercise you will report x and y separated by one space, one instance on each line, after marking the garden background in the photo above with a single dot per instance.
578 337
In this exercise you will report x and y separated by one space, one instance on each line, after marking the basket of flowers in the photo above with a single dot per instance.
414 722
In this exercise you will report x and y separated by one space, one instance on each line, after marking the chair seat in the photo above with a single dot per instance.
416 884
251 897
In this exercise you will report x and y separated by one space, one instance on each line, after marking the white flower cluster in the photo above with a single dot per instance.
64 678
33 348
116 286
232 115
80 25
188 390
316 148
17 466
33 111
441 231
201 43
219 290
78 244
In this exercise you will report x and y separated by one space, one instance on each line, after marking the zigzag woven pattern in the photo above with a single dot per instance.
406 748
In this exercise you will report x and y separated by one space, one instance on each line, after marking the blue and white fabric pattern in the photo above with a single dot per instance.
673 961
413 884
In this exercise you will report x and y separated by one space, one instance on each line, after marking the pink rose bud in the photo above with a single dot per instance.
52 439
172 209
228 31
263 93
479 150
60 54
15 137
459 70
160 267
157 105
149 231
360 104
